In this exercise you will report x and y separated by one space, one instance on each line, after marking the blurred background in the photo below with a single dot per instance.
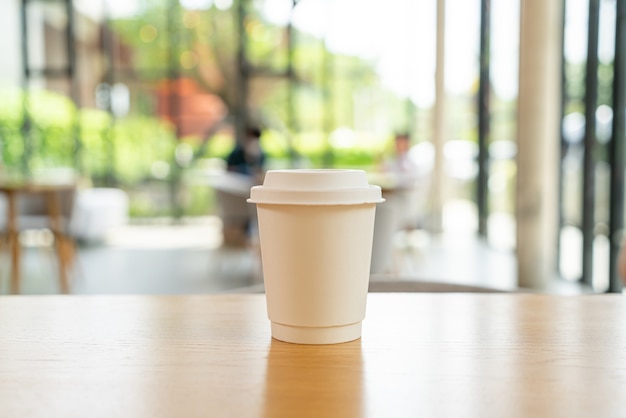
143 101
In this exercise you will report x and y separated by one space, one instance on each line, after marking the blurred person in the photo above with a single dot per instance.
401 166
410 171
248 158
245 168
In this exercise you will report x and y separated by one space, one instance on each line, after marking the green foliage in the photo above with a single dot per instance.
266 44
165 39
139 142
53 133
605 84
128 147
275 144
575 85
220 145
197 199
354 158
11 114
97 147
50 140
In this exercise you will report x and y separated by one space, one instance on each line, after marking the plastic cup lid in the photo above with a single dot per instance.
315 187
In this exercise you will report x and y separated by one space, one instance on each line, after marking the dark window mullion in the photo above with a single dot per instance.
482 191
591 99
616 146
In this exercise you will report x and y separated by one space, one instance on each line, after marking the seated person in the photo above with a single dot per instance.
248 158
401 166
247 161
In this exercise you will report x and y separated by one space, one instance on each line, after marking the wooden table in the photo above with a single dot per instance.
51 194
426 355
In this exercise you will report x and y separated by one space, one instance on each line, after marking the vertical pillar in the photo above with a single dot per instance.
484 118
439 134
173 105
243 72
564 100
26 118
328 75
589 163
72 74
538 141
616 146
291 110
108 52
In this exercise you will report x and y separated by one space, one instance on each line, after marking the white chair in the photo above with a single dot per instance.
97 211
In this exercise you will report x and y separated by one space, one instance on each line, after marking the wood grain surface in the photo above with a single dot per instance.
426 355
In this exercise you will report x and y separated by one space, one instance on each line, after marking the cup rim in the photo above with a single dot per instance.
316 187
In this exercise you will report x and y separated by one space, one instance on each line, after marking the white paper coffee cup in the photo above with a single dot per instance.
316 230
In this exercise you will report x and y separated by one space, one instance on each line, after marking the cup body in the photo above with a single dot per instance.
316 264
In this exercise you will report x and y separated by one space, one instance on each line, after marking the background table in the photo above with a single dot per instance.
429 355
51 193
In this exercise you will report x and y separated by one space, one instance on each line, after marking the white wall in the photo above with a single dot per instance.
10 43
